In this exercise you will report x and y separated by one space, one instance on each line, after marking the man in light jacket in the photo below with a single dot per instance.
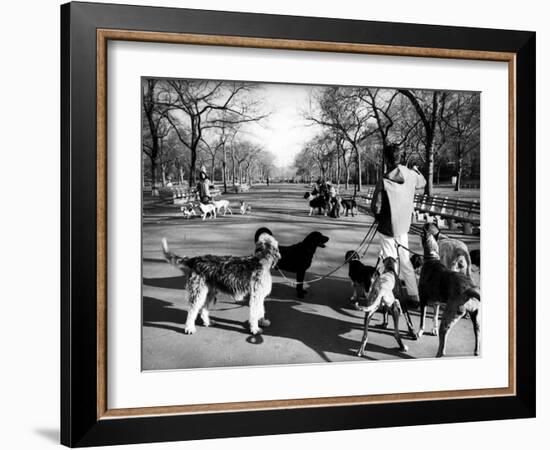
393 205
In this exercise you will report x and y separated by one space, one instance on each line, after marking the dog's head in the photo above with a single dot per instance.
430 234
390 264
307 195
267 248
431 229
351 255
417 261
315 239
261 231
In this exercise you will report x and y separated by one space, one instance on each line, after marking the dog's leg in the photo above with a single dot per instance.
474 315
197 292
355 297
205 315
450 318
361 351
408 320
384 318
300 291
423 308
257 313
396 313
229 209
435 328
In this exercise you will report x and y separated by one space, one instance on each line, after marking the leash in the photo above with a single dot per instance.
368 237
397 244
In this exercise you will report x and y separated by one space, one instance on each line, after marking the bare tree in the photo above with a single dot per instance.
341 110
192 106
427 105
157 129
462 120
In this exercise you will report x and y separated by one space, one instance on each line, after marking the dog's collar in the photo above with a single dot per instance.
431 256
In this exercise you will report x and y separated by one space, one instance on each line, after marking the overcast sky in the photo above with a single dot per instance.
285 130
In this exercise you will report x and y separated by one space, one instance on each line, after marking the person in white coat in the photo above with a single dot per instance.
393 205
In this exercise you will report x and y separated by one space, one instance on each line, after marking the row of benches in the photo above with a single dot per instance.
445 211
182 194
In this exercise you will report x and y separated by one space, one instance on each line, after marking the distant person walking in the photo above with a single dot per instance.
392 206
203 188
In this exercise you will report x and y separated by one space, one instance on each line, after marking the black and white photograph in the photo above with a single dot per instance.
300 224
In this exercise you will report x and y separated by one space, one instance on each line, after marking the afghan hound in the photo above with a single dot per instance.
233 275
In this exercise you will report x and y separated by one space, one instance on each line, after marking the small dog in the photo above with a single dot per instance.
234 275
244 208
317 201
439 284
297 258
381 295
360 275
222 204
207 209
350 206
453 253
188 211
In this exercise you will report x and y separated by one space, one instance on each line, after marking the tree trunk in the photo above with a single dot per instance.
358 155
181 177
213 168
224 171
458 174
154 191
192 168
163 173
233 165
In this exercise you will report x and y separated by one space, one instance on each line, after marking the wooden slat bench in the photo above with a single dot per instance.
444 211
181 195
241 188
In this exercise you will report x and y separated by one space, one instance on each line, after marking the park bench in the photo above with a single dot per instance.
445 211
244 187
181 195
450 210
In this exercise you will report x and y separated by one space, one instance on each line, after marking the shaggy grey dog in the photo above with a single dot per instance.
233 275
440 285
453 253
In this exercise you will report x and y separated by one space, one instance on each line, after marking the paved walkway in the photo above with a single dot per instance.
322 327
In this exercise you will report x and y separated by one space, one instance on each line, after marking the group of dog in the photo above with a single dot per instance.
334 206
213 208
445 278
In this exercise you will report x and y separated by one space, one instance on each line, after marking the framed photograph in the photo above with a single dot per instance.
276 224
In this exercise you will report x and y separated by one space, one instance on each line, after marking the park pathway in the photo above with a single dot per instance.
320 328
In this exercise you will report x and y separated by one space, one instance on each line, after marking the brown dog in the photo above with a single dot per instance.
381 295
438 285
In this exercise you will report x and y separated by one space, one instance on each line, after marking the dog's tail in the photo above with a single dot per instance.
172 258
471 292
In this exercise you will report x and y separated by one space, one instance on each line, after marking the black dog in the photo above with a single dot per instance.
359 274
321 202
350 206
298 257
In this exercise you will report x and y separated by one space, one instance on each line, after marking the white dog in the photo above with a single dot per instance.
188 211
207 209
245 207
222 204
